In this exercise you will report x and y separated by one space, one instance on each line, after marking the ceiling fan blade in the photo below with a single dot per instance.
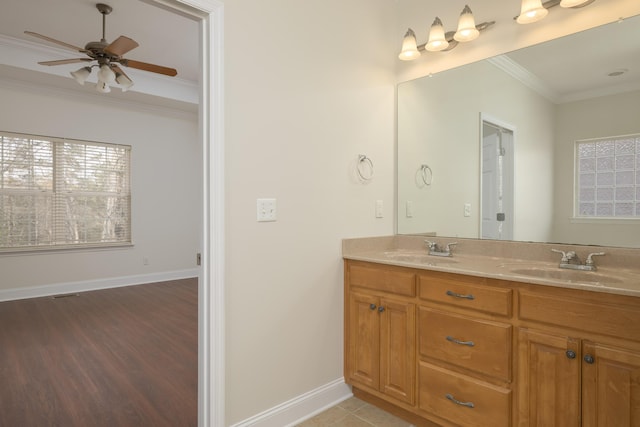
149 67
58 42
121 45
65 61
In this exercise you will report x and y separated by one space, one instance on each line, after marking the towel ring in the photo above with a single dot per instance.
426 174
364 168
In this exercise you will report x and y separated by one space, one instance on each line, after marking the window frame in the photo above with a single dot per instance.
57 193
612 219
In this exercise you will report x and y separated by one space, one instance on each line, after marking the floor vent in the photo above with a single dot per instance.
65 296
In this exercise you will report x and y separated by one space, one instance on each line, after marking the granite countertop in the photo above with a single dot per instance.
519 262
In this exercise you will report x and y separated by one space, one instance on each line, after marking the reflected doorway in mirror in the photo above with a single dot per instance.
497 189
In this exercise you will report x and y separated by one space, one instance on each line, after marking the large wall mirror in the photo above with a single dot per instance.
487 150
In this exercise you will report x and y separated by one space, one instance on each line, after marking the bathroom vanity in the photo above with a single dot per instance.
495 335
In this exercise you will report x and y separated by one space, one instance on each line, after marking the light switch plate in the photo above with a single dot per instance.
379 209
266 210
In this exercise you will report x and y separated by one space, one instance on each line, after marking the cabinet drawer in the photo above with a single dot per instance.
463 400
383 279
592 316
479 345
464 291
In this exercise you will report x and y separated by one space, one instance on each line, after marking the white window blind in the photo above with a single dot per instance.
608 177
63 193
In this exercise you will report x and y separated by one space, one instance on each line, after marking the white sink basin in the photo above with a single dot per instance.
569 275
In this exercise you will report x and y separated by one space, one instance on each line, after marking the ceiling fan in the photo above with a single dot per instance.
108 57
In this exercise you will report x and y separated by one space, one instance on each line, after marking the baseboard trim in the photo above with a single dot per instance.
93 285
302 407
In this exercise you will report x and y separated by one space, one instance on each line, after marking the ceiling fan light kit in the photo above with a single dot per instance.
108 58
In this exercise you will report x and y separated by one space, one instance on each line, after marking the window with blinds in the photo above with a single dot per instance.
608 177
57 193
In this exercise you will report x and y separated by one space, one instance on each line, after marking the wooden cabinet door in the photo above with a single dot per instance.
548 380
610 386
364 340
398 350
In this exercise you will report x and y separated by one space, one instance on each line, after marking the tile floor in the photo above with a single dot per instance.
353 412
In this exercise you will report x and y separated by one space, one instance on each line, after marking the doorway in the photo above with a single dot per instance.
497 175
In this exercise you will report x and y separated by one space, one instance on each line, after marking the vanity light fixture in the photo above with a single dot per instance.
535 10
441 41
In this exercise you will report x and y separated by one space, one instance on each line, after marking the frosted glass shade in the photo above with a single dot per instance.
106 74
81 75
124 81
467 30
531 11
437 40
409 47
103 87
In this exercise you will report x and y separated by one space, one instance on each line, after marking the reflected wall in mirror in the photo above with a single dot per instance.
548 96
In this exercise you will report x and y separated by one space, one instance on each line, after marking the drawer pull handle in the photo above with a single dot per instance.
456 341
589 359
457 402
453 294
372 306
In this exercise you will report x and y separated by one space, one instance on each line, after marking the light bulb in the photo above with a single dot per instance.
409 47
437 41
467 30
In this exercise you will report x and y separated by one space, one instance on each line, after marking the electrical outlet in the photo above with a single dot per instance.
379 209
266 210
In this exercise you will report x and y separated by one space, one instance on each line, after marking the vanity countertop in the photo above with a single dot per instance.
618 271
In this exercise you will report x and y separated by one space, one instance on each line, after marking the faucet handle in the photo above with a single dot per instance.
566 256
589 260
431 245
449 245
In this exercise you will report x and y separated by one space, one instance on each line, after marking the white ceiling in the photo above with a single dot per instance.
164 38
577 66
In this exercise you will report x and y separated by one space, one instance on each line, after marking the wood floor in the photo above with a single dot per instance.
117 357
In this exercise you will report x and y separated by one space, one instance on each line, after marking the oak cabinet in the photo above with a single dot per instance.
444 349
381 352
565 381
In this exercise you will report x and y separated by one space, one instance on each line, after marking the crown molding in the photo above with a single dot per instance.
25 54
528 79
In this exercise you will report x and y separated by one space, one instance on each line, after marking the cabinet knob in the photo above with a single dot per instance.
380 309
372 306
571 354
589 359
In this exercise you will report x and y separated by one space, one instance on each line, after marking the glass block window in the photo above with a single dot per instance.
608 177
57 193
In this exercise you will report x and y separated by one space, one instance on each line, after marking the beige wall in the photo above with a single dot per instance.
308 87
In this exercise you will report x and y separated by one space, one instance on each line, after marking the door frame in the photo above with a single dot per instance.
211 283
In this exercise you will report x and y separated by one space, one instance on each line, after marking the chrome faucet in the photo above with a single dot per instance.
570 260
436 250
